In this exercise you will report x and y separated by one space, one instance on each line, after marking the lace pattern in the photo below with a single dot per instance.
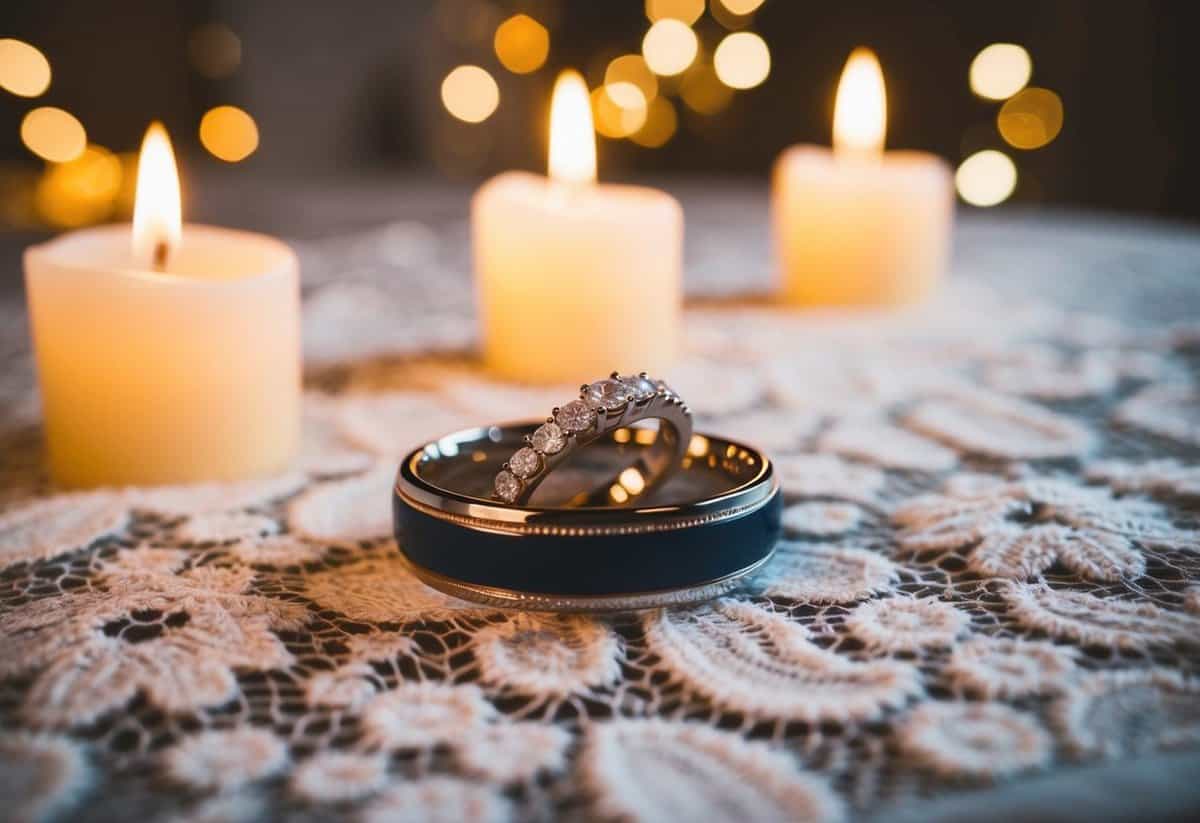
991 569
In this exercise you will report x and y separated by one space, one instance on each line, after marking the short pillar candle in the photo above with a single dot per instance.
574 278
857 225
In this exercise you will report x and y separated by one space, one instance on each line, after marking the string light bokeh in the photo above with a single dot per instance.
678 68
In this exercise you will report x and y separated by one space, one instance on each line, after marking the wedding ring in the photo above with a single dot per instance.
693 539
602 407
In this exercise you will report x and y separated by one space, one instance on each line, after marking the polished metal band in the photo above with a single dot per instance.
602 407
692 540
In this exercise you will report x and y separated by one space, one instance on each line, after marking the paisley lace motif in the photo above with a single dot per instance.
1021 529
1102 621
359 508
439 800
334 777
176 638
547 656
323 448
1119 713
1169 410
226 527
818 573
822 519
224 760
907 624
40 775
1044 372
823 475
997 669
888 445
381 590
209 498
393 423
1167 477
752 661
649 770
999 427
46 528
975 740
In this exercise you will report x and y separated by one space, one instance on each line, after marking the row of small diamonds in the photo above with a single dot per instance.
576 417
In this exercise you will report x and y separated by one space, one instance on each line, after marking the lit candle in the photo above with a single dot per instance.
169 353
857 225
573 278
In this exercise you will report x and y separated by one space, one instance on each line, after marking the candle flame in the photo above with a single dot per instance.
860 113
572 139
157 224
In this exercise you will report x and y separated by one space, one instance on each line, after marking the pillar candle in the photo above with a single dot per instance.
575 279
165 353
858 225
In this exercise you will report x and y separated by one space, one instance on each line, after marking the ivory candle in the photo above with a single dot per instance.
169 353
573 278
857 225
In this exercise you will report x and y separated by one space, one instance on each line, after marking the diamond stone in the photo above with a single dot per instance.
640 387
575 417
507 486
607 394
549 439
525 463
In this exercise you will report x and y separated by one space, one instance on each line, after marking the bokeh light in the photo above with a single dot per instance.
1000 71
986 178
53 134
659 126
632 68
228 133
522 44
81 191
618 112
470 94
702 91
24 70
739 7
742 60
688 11
1031 118
214 50
669 47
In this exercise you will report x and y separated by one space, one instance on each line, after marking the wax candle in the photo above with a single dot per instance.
575 279
165 353
857 225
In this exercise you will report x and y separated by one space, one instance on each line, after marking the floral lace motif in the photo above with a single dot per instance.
658 770
748 660
991 567
816 573
1021 529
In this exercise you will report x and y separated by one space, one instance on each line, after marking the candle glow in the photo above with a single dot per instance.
857 225
860 112
157 219
572 156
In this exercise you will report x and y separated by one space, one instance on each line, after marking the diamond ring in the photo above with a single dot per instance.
603 407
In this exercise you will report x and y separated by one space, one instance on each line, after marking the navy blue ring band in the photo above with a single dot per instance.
592 552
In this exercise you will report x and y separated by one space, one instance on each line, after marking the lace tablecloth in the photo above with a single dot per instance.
991 575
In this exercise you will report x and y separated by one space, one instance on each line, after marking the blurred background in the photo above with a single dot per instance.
1088 104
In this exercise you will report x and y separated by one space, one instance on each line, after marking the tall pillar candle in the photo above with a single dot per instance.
171 358
575 279
858 225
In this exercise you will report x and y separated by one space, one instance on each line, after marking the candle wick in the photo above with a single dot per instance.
159 260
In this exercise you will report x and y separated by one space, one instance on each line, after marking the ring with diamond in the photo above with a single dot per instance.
603 406
716 523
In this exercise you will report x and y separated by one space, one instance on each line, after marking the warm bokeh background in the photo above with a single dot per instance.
339 89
